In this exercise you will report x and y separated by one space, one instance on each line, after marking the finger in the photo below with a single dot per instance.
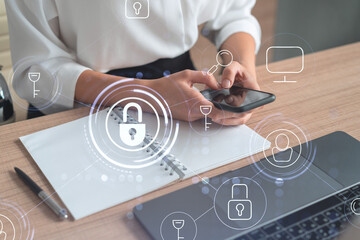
195 104
234 121
247 80
235 100
201 77
229 74
231 121
237 72
238 116
219 98
230 100
218 114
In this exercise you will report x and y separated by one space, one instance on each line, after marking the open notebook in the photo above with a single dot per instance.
87 183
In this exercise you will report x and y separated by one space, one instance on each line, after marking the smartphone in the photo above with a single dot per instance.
238 99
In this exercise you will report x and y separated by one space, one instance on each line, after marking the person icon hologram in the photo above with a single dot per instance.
282 154
2 233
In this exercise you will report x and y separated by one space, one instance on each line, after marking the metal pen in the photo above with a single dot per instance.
59 211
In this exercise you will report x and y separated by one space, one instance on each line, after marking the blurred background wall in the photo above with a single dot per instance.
322 23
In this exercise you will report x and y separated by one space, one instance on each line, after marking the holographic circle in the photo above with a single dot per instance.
173 223
282 130
283 46
14 222
225 197
204 127
43 100
355 206
306 152
351 206
131 160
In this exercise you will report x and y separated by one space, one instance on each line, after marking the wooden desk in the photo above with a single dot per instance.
325 99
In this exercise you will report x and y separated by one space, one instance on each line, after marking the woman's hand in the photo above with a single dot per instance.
185 102
237 74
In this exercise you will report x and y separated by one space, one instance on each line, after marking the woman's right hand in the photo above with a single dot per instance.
185 101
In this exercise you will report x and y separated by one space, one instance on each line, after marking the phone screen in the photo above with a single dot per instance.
238 97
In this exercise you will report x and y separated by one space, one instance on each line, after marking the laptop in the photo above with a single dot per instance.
319 203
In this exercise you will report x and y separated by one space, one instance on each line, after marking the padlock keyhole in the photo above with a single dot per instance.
240 208
132 133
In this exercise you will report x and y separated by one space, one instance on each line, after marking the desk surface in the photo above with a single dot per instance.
326 98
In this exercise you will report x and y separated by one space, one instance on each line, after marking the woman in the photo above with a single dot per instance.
88 44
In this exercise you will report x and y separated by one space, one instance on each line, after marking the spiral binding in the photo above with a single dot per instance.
168 161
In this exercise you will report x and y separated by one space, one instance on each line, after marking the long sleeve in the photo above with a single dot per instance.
232 16
36 46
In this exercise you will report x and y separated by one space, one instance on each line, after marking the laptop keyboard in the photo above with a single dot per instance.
325 219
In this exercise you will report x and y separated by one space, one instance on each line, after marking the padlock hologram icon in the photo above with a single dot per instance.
132 134
241 208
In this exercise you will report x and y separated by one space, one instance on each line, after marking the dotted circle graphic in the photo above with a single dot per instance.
14 222
284 45
164 143
351 214
185 215
219 205
307 153
44 100
292 162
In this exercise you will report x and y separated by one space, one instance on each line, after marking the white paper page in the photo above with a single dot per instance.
84 183
201 150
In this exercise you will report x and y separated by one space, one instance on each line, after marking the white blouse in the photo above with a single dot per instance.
62 38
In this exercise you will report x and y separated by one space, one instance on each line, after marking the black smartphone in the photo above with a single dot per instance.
238 99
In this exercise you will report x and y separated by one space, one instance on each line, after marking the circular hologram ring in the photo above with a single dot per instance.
287 45
14 223
178 225
30 81
205 126
351 206
287 151
115 152
291 160
240 203
355 206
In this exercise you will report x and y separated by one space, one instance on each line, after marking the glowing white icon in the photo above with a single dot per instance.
2 233
137 9
132 133
284 71
206 110
219 59
240 208
178 224
282 154
355 206
34 77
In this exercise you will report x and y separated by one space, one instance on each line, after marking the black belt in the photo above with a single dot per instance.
157 69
